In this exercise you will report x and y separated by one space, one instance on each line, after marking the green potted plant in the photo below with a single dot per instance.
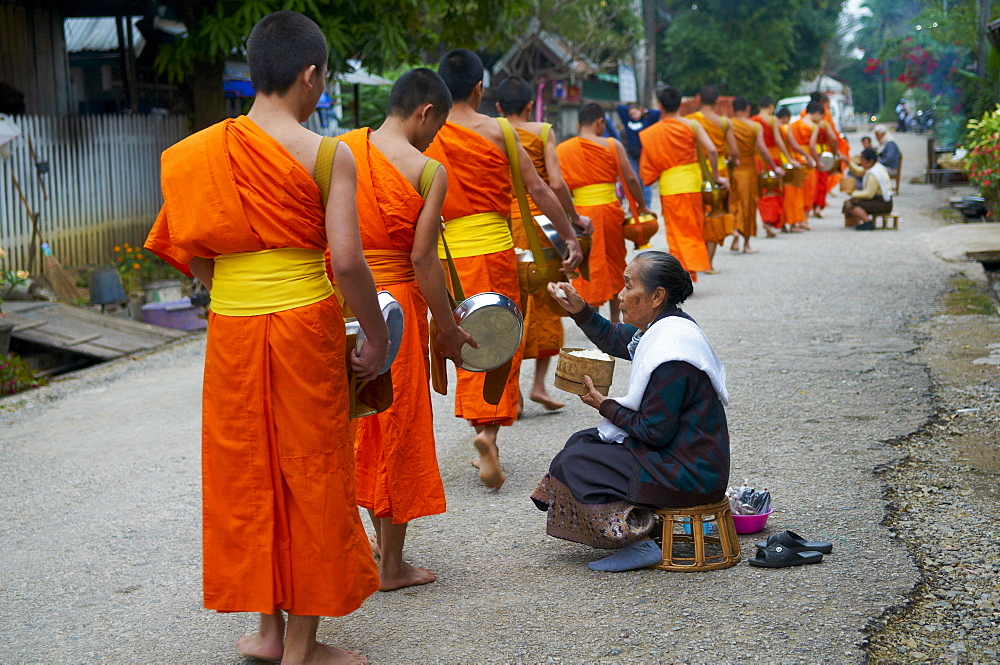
8 280
982 140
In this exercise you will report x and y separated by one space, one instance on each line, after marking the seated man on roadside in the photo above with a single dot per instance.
888 151
663 445
875 196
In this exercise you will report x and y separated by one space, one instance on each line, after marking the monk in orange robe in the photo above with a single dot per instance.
822 138
801 131
720 130
793 211
471 147
243 214
746 176
837 139
591 170
771 202
400 193
670 155
543 328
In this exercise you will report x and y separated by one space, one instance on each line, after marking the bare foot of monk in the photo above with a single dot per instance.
747 250
268 642
404 576
257 647
324 654
543 398
490 472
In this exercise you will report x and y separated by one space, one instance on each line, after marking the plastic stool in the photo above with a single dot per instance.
696 519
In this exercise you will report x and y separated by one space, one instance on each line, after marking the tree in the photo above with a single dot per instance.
380 34
756 48
603 32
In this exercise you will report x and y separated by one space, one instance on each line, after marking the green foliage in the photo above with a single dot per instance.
930 54
746 48
603 31
966 297
9 278
381 34
16 375
138 265
982 140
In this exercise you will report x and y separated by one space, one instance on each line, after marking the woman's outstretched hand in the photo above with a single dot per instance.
567 297
593 398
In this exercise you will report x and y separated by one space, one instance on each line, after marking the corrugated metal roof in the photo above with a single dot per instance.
98 34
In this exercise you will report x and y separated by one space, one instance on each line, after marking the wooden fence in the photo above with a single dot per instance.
102 185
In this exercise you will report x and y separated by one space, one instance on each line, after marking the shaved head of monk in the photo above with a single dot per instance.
513 95
741 105
815 111
418 88
590 114
709 95
670 99
281 47
421 101
462 71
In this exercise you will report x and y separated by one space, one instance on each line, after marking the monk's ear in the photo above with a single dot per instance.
308 76
499 110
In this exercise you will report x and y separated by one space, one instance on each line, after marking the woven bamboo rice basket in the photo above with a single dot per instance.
571 369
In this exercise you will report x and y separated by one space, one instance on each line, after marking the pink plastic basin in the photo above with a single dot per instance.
751 523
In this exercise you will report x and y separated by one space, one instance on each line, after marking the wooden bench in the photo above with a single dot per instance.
886 219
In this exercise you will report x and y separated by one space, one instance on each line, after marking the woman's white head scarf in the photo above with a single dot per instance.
883 139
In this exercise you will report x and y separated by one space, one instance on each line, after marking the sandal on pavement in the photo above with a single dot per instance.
796 543
778 556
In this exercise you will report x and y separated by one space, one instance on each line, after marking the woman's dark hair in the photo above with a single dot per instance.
658 269
869 154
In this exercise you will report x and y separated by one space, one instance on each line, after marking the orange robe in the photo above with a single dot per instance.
746 179
543 328
792 206
396 460
802 131
584 163
770 202
280 519
717 229
822 177
671 143
479 182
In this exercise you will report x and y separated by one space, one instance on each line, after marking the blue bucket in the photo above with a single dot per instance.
106 287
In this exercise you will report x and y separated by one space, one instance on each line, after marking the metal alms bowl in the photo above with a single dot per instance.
826 162
545 224
496 323
393 314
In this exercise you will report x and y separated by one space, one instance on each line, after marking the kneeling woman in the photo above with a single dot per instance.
664 445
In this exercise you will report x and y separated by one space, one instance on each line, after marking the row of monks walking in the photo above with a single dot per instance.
290 231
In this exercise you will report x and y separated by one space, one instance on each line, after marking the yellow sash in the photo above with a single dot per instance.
272 280
681 179
595 195
475 235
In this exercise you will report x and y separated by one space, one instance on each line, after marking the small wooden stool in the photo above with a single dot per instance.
695 519
889 217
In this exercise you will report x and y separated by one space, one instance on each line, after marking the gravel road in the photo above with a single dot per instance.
100 491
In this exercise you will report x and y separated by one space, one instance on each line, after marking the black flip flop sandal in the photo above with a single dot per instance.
778 556
796 543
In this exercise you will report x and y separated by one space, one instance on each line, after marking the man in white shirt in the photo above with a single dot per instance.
875 196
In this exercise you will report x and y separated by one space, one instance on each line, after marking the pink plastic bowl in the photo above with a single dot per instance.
751 523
